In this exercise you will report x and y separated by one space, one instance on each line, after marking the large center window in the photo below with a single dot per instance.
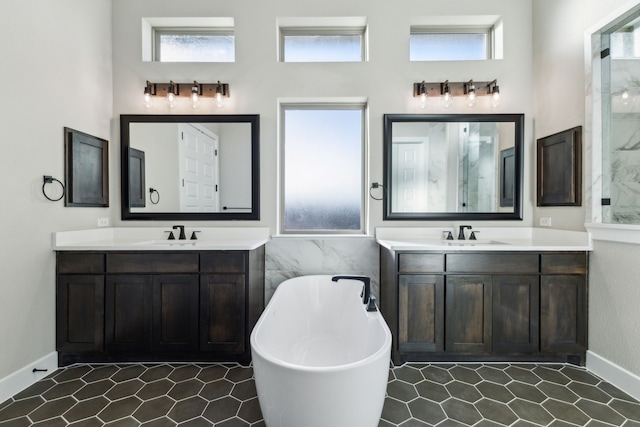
322 168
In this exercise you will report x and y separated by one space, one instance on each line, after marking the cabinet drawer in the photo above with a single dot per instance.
420 263
80 262
223 262
152 263
564 263
492 263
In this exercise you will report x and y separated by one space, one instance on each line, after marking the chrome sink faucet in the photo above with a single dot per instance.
461 233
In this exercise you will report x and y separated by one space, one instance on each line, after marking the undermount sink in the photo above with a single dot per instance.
472 242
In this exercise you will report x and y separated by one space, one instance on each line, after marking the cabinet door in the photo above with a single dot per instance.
516 304
222 312
420 313
468 313
128 313
563 314
175 313
80 313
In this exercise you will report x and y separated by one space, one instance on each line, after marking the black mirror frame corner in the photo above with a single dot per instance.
127 119
516 215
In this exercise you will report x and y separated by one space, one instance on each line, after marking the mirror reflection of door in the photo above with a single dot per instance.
410 174
199 182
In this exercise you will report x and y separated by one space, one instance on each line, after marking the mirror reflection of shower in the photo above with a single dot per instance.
477 168
447 167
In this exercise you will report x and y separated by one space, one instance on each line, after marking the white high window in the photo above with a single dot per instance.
322 39
203 39
194 45
456 38
322 168
450 44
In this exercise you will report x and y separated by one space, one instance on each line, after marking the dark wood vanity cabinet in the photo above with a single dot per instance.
485 306
150 313
155 306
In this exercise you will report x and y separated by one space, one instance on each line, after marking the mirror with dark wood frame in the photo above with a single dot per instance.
190 167
453 166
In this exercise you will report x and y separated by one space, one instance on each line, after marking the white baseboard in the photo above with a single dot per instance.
16 382
614 374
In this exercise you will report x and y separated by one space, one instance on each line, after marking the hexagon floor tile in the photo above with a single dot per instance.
224 395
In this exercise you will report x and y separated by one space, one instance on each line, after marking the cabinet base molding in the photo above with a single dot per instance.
574 359
19 380
66 359
614 374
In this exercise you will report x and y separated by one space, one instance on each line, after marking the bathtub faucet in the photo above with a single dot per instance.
367 298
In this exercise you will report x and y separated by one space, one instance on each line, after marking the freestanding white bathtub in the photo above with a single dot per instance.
319 358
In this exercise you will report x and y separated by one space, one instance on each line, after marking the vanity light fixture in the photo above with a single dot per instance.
171 95
194 99
470 91
447 91
219 98
494 90
447 99
149 92
195 91
422 95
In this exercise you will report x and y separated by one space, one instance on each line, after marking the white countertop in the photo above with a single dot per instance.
488 239
155 239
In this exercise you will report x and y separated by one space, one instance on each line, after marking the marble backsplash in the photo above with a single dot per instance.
287 257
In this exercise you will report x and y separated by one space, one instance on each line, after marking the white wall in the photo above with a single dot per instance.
56 72
257 80
559 103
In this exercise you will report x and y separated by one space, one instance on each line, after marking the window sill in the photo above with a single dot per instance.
622 233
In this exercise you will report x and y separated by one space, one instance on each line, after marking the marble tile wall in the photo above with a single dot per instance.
625 168
288 257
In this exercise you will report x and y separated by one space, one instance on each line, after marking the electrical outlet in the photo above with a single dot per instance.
103 222
545 221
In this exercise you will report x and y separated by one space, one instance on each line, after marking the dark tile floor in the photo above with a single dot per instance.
222 395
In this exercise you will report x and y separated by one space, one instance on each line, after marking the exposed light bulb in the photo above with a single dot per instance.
472 98
148 99
194 99
422 100
447 100
496 100
218 100
420 92
171 100
171 96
